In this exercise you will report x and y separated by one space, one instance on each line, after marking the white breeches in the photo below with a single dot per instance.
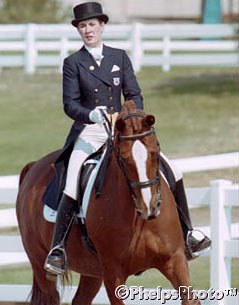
90 140
178 175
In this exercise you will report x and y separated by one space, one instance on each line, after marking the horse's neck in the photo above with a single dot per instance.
118 187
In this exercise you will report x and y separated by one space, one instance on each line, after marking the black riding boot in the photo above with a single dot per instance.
56 260
195 240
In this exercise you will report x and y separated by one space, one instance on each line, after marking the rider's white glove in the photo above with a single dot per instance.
96 115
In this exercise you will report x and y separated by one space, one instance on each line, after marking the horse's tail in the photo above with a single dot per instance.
25 170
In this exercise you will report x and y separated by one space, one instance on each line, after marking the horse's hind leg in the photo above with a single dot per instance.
44 292
176 270
87 290
41 297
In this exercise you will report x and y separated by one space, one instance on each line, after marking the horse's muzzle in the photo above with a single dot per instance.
155 214
150 216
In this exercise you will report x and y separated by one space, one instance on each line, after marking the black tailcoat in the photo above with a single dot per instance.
86 86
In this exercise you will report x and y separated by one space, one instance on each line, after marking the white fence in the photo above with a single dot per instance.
39 45
220 196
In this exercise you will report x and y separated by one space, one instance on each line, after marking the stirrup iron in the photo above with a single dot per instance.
61 261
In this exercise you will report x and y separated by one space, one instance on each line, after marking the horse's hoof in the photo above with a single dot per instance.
51 277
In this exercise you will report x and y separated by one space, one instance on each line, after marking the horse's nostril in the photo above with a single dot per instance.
151 217
142 215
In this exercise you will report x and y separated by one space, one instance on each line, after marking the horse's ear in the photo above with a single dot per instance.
149 120
120 124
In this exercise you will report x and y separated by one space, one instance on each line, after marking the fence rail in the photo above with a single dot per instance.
9 184
32 46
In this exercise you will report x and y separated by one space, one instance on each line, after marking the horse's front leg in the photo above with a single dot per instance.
113 279
176 270
87 290
115 290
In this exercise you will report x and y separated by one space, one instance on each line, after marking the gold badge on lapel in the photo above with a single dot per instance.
92 68
116 81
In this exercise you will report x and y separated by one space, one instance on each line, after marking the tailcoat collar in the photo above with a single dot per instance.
104 71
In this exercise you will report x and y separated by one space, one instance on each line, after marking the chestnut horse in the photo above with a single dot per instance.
133 224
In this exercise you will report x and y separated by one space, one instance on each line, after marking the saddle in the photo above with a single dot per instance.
92 175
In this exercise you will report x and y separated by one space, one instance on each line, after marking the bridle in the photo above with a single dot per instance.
132 184
137 184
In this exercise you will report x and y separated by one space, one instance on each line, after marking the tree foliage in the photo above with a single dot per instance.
35 11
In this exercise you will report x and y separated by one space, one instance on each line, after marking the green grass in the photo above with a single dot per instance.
196 113
32 122
199 272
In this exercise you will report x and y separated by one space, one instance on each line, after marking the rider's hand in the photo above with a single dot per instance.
96 115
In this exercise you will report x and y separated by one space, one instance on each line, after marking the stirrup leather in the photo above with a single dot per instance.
56 263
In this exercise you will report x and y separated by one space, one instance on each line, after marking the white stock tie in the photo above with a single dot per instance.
97 54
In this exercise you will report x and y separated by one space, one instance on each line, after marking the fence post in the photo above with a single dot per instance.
166 54
30 51
136 46
220 275
63 52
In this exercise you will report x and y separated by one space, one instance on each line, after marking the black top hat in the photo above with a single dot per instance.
88 10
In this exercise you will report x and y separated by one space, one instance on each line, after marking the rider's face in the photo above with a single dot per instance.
91 32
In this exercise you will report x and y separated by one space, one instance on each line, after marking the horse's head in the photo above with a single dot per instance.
138 156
